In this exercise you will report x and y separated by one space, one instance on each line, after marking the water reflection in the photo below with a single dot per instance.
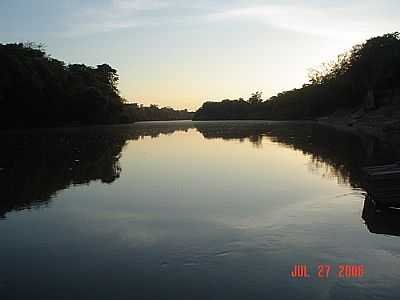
338 154
199 214
34 165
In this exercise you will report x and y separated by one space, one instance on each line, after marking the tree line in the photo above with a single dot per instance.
367 72
37 90
139 112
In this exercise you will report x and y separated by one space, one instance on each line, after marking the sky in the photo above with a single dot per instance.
181 53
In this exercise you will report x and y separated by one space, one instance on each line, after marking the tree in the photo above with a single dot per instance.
109 76
368 71
255 98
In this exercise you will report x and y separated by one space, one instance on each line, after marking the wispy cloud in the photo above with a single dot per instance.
118 14
140 4
338 22
344 21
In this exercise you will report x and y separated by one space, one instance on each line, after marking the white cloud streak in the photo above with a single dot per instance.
343 23
119 14
346 22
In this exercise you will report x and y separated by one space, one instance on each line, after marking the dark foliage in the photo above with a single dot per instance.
139 112
37 90
372 68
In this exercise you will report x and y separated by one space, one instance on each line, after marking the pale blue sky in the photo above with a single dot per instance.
181 53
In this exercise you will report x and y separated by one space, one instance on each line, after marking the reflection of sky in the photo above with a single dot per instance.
205 218
181 53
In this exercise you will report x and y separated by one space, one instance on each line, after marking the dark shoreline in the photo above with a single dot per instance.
359 128
69 128
378 123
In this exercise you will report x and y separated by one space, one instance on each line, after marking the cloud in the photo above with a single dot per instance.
117 15
139 4
346 21
337 22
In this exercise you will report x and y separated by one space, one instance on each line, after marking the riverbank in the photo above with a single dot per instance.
383 122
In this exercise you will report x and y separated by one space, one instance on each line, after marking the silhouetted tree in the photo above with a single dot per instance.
372 68
256 98
37 90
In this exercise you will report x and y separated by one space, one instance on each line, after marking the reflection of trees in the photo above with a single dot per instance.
34 165
336 153
333 153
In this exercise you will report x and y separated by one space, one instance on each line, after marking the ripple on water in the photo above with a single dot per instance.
223 253
190 264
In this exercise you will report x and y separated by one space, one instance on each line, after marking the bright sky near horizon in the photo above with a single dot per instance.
181 53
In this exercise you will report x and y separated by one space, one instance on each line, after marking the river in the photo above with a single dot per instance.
192 210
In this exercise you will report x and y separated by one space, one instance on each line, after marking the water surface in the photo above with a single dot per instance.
183 210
